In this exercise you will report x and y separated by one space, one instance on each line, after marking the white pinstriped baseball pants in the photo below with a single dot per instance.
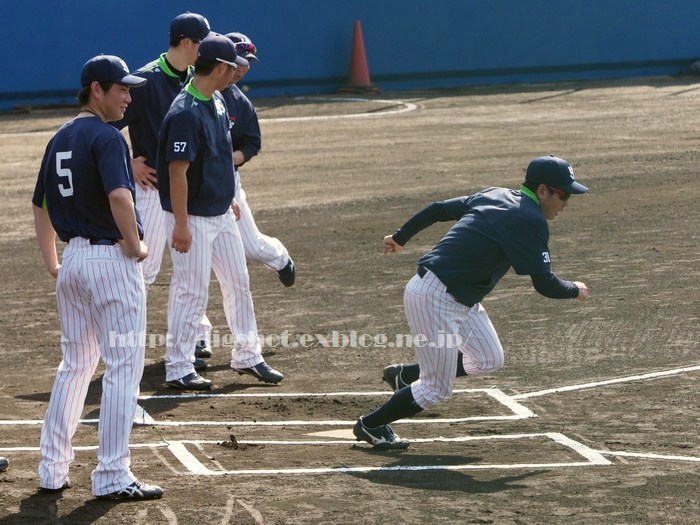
217 245
153 221
258 246
154 235
437 323
100 297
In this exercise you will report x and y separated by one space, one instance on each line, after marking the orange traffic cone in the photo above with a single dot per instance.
358 81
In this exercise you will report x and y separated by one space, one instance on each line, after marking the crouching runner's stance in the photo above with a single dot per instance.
496 228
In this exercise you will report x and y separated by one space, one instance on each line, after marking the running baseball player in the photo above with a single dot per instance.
246 139
85 194
453 335
167 76
196 184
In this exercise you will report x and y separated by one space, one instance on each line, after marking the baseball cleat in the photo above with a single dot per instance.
66 485
4 464
392 376
191 381
138 490
262 372
381 437
287 275
199 364
202 350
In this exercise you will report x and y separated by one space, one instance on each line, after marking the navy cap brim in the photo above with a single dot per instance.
574 188
240 61
132 80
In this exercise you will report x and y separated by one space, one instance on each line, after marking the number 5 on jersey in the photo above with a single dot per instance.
67 189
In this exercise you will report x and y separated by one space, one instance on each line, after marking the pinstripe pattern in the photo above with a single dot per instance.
216 244
153 221
98 291
433 314
258 246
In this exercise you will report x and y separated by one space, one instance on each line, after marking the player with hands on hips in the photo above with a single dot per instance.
495 229
197 187
85 194
166 76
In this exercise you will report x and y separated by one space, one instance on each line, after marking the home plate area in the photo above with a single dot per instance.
308 447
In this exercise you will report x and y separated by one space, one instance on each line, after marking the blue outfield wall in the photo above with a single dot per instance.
305 45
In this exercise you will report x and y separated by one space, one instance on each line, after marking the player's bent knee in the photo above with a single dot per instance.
428 396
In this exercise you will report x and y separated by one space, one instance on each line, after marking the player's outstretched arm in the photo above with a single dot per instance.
122 206
391 246
46 238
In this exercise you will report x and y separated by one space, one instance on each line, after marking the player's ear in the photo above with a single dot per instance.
542 191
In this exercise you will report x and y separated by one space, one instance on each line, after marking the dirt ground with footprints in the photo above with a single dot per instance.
594 418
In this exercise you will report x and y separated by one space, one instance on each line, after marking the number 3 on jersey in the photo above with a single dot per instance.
67 189
545 257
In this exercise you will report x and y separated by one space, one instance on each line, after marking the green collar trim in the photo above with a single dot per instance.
163 65
529 193
193 91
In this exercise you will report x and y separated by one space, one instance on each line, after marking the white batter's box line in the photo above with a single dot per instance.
618 380
301 394
592 458
643 455
519 411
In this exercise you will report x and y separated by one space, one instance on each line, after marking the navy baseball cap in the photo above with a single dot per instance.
555 172
244 46
108 68
218 48
189 25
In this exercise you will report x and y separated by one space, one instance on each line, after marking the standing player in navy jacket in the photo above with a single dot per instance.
246 140
496 229
197 186
166 77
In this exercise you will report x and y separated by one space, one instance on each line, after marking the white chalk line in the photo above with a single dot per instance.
641 377
143 418
592 457
404 106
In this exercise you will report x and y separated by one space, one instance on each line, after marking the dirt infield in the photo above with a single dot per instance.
593 420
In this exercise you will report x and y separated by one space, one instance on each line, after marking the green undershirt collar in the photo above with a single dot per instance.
193 91
527 191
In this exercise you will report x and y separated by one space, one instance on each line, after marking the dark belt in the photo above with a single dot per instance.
103 242
422 270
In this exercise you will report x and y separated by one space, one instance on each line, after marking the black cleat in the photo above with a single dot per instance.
287 275
381 437
134 492
392 375
262 372
191 381
202 350
4 464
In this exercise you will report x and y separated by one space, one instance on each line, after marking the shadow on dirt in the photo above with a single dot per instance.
40 508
